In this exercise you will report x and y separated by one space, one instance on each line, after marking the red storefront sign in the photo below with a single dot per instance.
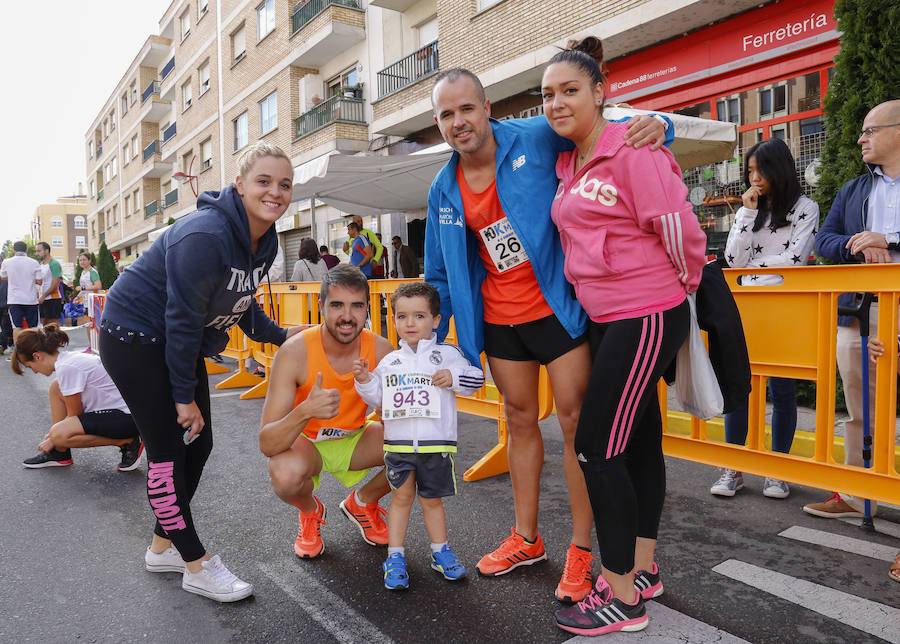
762 34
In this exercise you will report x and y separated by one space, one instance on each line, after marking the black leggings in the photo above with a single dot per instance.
174 469
619 436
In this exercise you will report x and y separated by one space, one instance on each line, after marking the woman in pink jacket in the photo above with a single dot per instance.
633 248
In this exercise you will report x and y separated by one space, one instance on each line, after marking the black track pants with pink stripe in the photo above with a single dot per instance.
619 436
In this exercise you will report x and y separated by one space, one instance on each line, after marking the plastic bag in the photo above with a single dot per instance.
696 387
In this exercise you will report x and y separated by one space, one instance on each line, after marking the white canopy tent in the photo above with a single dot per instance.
373 184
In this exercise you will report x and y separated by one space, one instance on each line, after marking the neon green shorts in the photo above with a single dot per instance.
336 455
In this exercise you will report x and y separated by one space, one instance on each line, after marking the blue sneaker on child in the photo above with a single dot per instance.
395 577
446 563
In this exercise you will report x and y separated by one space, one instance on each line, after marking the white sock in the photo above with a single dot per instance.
437 547
357 499
400 550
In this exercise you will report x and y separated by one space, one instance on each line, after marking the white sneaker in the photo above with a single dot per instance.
216 582
166 561
729 483
775 489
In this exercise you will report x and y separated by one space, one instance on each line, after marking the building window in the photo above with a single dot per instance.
186 95
204 77
90 149
185 21
428 31
240 131
57 242
186 162
772 101
265 19
112 120
136 200
268 113
126 153
728 109
133 91
105 128
127 203
115 213
484 4
206 154
202 8
106 175
79 222
338 85
91 186
114 167
134 146
238 44
80 241
125 103
56 222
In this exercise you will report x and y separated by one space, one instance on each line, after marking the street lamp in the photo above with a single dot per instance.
181 177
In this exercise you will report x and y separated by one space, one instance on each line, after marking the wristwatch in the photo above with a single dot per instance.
893 240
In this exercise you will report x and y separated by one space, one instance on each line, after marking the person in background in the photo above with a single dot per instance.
86 409
379 270
89 282
330 260
404 262
378 249
862 225
310 267
24 275
5 324
361 251
775 227
49 299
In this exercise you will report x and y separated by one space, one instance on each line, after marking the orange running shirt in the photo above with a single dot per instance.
511 296
352 410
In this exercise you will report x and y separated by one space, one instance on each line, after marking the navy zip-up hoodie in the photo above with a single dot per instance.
194 283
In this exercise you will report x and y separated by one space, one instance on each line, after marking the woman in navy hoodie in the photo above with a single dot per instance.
171 308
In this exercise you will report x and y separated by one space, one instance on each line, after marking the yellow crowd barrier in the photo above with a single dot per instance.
791 333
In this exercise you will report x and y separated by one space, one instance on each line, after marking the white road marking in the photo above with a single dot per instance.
668 625
882 526
840 542
322 605
863 614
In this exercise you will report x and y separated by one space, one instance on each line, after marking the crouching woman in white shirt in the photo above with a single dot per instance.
85 407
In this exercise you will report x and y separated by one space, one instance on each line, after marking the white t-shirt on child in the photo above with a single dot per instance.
83 373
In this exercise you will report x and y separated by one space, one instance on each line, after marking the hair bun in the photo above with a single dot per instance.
591 45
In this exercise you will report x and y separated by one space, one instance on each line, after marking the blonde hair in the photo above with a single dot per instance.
257 151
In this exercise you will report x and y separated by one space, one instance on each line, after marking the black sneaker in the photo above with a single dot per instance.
648 583
53 458
601 613
131 455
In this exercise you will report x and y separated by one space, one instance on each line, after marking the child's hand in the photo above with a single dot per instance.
876 348
361 370
442 378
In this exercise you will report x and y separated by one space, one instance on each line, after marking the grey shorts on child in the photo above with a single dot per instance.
434 472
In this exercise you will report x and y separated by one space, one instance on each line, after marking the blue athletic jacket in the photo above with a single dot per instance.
847 216
195 282
526 184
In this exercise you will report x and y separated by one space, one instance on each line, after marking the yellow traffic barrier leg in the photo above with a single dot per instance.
213 368
239 379
496 461
259 391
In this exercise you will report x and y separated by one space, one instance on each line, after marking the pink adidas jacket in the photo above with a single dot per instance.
633 245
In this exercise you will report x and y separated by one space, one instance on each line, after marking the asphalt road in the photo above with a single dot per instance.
72 542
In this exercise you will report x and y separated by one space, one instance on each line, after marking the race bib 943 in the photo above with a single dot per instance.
503 245
409 395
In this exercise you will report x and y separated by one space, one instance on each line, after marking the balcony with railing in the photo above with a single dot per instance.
102 237
171 198
151 89
99 149
167 68
100 195
151 149
418 65
168 133
151 208
336 24
335 109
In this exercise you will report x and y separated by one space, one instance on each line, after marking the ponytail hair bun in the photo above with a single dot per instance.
587 55
592 46
48 339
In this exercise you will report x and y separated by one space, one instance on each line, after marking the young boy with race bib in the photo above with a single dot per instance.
416 388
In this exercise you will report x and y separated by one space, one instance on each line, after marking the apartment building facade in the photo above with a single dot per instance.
64 226
320 77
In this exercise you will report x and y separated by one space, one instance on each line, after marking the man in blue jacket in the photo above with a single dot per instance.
495 257
862 225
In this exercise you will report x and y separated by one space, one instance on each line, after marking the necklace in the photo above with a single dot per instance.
583 156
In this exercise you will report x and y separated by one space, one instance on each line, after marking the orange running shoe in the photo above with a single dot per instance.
513 552
369 518
576 580
309 542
